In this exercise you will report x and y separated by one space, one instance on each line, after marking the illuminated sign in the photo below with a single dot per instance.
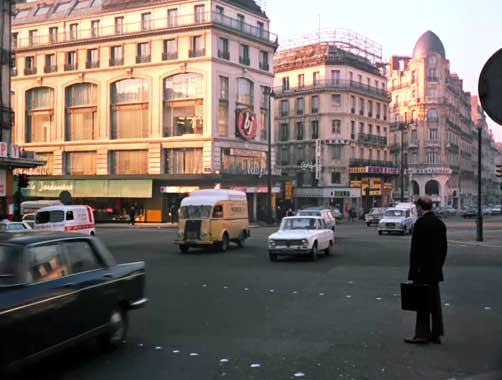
247 124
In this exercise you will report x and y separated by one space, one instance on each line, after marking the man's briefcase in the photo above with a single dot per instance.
416 297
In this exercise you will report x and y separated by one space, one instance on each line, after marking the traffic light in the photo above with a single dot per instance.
23 181
499 171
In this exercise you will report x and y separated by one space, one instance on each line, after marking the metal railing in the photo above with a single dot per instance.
30 70
92 64
245 61
50 68
116 61
70 66
193 53
372 139
358 162
143 58
337 85
264 66
154 25
224 54
169 56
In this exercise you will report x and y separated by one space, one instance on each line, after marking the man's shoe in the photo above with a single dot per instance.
435 340
416 340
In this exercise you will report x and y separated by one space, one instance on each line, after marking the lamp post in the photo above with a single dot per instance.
479 220
271 94
402 126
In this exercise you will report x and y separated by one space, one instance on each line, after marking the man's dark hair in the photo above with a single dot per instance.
425 203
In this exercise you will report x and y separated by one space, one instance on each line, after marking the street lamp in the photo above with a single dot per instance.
479 220
402 127
270 94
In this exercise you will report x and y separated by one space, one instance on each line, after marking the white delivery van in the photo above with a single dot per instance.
78 219
31 207
400 218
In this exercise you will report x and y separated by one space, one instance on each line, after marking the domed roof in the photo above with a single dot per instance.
428 43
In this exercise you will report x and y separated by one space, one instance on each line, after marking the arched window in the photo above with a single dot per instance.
245 93
81 112
432 116
39 114
130 109
432 188
183 106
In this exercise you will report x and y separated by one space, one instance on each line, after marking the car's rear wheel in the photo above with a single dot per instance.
118 327
242 239
314 253
184 248
327 251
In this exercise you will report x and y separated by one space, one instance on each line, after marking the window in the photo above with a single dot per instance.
336 177
432 158
353 104
62 7
284 107
39 114
218 212
183 105
299 131
385 112
119 25
146 21
361 106
33 37
143 52
220 10
223 48
245 93
285 83
336 100
81 256
284 132
352 130
264 60
80 163
300 106
432 116
117 55
130 114
42 10
50 63
172 17
244 55
378 108
70 61
94 28
264 108
92 59
127 162
183 161
370 129
261 28
370 108
361 128
199 11
81 121
336 152
432 75
223 107
73 32
432 92
46 262
170 50
316 78
241 19
315 104
315 129
335 77
53 34
433 135
197 50
301 80
336 127
414 136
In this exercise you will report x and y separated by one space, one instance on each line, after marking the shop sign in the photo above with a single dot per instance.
327 193
434 171
288 190
3 183
256 190
388 186
247 124
374 170
355 183
178 189
90 188
307 166
247 153
7 150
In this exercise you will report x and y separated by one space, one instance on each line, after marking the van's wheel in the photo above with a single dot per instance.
184 248
224 243
327 251
380 232
241 242
314 253
119 325
272 256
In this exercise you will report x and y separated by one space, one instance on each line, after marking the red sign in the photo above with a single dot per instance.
247 124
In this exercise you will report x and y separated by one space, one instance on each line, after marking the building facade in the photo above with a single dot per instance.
140 103
433 113
331 107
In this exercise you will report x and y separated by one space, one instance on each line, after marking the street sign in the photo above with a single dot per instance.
490 87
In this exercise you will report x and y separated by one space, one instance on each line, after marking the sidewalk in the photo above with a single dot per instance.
147 225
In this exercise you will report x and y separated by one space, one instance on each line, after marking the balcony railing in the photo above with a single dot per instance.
224 54
70 66
143 58
414 144
30 70
50 68
264 66
196 53
160 24
244 61
169 56
337 85
432 143
92 64
372 139
116 61
357 162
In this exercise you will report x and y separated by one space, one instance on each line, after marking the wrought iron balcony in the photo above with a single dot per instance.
50 68
372 139
196 53
30 70
70 66
245 61
143 58
169 56
116 61
92 64
224 54
264 66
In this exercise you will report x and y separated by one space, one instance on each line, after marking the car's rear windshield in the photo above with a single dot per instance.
309 213
394 213
49 217
9 258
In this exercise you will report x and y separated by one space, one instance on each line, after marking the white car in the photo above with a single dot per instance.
13 227
325 214
301 235
397 219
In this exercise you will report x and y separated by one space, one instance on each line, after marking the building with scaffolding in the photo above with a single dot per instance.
331 124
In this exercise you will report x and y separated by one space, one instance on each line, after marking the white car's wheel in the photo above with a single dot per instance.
314 253
327 251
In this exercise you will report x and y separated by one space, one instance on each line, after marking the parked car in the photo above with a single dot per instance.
470 213
496 210
66 218
29 219
13 227
325 214
301 235
400 219
374 216
57 289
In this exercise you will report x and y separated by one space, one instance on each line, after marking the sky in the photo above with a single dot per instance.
470 30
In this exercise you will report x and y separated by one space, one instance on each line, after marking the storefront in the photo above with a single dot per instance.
375 184
341 198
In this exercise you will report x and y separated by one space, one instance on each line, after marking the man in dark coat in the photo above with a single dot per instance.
429 246
132 215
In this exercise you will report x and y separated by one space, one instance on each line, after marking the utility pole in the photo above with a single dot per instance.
401 127
269 157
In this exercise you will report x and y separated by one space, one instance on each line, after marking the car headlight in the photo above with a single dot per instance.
305 243
271 243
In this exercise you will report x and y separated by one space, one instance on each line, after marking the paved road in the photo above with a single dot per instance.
239 316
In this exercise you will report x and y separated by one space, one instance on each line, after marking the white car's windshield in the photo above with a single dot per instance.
299 224
309 213
394 213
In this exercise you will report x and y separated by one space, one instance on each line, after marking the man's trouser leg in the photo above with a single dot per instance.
436 313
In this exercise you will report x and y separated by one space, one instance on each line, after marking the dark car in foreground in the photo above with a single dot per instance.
57 289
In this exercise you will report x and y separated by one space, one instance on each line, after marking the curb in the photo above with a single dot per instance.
475 244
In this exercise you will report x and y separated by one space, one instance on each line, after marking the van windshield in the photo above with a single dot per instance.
195 212
49 217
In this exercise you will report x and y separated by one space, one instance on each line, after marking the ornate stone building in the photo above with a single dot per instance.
433 112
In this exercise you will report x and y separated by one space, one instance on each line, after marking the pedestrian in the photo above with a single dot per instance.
290 212
132 215
429 246
351 215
